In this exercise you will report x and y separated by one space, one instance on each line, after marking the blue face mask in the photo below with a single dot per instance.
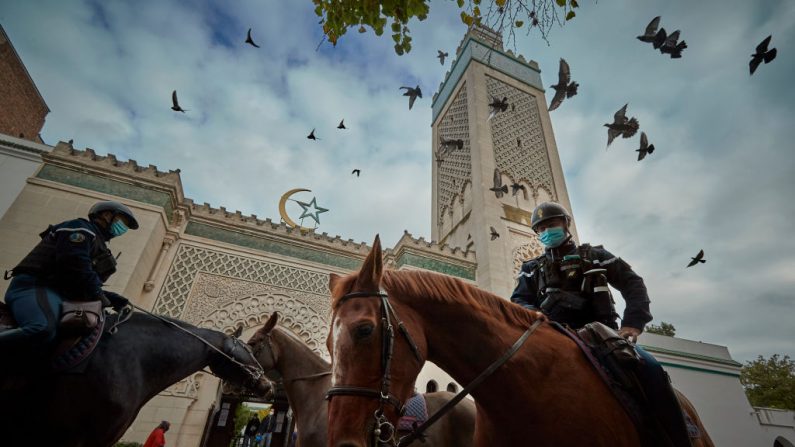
552 237
117 228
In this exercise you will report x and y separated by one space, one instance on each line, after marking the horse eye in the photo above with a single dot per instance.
363 331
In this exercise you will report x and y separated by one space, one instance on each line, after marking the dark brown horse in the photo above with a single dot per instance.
306 378
95 407
547 394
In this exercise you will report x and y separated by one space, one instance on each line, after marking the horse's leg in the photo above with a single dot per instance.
704 440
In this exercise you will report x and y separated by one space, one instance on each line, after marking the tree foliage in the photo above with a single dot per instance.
505 16
770 382
663 329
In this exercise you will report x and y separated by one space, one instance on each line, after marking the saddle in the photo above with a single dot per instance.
68 352
618 364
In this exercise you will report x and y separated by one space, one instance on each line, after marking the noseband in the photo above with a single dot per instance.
384 430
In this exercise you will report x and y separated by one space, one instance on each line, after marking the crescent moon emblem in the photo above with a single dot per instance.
283 209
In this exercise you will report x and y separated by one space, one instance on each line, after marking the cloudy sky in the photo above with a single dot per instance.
722 177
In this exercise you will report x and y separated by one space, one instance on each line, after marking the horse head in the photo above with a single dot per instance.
238 366
376 357
263 348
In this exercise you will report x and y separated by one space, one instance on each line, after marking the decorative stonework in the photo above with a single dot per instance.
191 260
455 169
528 162
187 387
306 315
524 249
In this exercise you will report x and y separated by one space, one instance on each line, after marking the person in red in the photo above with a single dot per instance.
157 438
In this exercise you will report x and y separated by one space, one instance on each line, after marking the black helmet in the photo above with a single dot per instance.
548 210
116 208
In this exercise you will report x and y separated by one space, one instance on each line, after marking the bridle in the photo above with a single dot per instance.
384 431
280 379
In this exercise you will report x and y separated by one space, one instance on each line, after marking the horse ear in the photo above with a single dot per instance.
238 332
270 324
370 273
333 280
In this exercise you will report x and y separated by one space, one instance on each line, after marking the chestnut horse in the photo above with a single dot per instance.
306 377
546 394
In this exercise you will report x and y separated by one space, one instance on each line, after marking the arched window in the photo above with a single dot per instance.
431 387
451 387
782 442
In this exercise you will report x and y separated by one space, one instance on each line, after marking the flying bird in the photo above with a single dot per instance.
672 47
659 39
564 88
441 56
412 93
450 145
516 187
175 107
645 147
651 31
312 136
498 188
497 105
621 126
249 40
342 125
494 234
356 171
762 54
699 258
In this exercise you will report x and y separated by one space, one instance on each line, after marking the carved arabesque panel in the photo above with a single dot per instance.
524 249
520 149
190 260
455 169
187 387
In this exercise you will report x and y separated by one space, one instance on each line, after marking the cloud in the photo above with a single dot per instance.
720 179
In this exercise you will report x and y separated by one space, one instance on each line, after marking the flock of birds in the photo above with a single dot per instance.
565 88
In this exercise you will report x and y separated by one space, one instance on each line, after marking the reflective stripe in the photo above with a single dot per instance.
77 229
601 289
528 275
609 261
569 267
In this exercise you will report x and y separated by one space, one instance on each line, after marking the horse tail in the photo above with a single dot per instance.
703 439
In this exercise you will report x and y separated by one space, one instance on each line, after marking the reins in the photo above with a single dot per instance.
384 431
255 372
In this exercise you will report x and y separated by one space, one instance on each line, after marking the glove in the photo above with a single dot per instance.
115 300
105 301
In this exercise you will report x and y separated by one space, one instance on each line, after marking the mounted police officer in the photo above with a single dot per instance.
71 262
569 283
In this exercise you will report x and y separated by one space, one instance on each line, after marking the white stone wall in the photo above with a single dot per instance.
16 165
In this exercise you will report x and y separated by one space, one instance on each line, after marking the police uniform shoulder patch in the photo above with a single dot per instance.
77 237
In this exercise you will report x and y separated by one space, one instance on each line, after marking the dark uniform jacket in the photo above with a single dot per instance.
619 275
72 258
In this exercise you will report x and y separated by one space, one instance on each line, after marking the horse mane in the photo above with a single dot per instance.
424 285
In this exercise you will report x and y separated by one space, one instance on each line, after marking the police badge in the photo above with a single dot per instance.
77 237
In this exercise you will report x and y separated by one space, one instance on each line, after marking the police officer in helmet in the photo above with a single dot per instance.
569 283
71 262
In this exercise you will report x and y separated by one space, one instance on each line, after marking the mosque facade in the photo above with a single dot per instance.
223 269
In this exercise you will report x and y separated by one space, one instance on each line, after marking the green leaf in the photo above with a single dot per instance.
476 11
519 23
570 15
460 3
396 37
574 4
396 27
499 2
561 3
362 29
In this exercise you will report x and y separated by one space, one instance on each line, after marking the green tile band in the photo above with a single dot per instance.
435 265
108 186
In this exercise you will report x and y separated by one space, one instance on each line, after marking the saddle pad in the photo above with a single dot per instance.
71 351
416 413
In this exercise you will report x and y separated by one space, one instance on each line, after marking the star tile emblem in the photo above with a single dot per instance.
311 210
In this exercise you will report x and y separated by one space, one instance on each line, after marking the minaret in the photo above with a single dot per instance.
518 143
